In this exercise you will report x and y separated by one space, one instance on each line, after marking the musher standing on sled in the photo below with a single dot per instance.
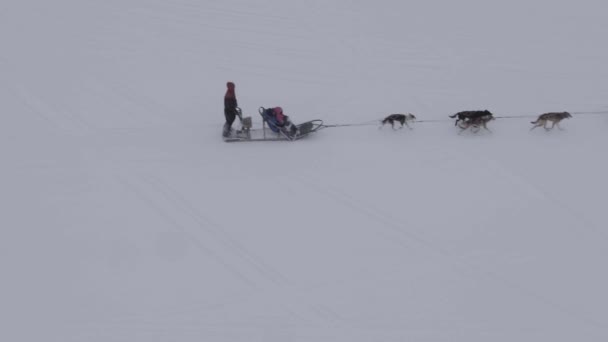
231 108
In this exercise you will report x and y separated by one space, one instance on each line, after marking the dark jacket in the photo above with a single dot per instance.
230 103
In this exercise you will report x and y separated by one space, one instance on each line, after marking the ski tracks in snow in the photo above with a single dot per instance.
209 236
62 118
268 283
399 230
532 189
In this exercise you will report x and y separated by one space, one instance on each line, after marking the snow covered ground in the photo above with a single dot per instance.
124 217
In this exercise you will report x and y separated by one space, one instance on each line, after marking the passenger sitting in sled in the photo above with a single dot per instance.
278 121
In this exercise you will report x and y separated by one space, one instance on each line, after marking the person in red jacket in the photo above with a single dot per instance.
231 108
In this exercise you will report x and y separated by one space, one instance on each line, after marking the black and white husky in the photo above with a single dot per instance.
403 119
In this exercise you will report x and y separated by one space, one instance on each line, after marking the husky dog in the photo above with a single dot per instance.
475 123
554 117
401 118
469 115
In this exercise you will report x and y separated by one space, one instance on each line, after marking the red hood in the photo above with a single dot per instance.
230 91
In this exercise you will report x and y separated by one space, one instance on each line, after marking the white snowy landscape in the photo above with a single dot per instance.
124 216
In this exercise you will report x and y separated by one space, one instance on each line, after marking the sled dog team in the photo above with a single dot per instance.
477 119
471 119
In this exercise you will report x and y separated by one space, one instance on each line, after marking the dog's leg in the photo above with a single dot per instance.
463 128
559 127
408 125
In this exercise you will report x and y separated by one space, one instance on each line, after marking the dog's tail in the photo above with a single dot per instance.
453 116
534 122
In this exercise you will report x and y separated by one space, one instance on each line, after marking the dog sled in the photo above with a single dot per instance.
272 129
